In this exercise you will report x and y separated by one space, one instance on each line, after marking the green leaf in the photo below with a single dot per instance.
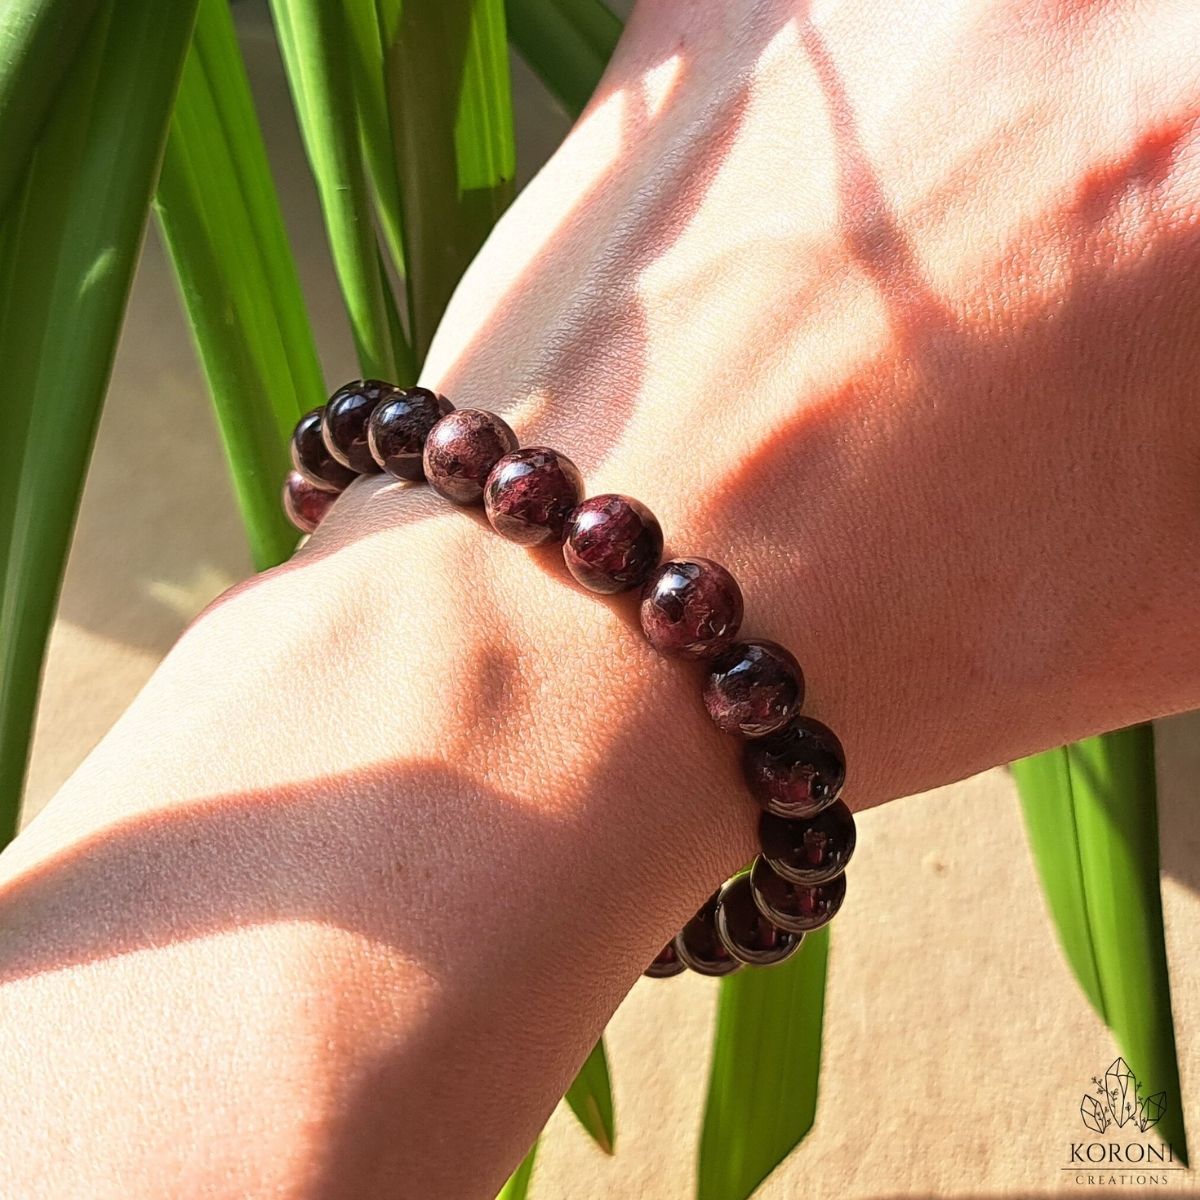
517 1187
567 43
221 221
318 53
1045 787
374 124
762 1091
67 251
451 110
1092 813
590 1098
38 43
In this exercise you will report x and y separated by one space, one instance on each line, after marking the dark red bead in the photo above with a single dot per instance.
797 771
691 608
753 689
699 947
461 450
530 493
304 504
666 964
311 457
344 425
810 850
398 428
613 543
746 933
795 906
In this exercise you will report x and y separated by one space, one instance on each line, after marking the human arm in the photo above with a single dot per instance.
347 895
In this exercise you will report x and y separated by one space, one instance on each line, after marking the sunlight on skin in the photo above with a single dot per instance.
783 236
1019 188
867 281
929 400
659 82
289 974
589 155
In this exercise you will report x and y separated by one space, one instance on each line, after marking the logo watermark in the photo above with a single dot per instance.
1116 1102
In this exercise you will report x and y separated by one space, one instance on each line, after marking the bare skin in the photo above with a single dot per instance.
899 321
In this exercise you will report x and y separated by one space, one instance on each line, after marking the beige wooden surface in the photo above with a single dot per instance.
957 1044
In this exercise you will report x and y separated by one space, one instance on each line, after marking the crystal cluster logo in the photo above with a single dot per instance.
1118 1115
1117 1100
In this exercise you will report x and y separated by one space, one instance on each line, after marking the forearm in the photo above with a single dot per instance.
399 902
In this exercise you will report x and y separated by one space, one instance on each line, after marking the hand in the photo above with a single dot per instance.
899 323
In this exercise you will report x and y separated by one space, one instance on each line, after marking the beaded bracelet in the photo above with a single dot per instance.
689 608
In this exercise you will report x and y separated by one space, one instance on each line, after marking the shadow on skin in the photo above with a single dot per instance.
341 851
956 420
583 380
325 850
366 852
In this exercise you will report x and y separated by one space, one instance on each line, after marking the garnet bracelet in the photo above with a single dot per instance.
689 608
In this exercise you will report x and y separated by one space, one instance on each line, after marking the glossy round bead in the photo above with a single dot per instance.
797 907
461 450
344 425
797 771
666 964
398 428
753 689
304 504
691 608
699 947
749 936
613 543
812 849
311 457
530 493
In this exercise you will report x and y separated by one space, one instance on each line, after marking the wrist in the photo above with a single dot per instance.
409 656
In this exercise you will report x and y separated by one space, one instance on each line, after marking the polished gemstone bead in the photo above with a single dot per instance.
811 849
691 608
461 450
665 964
797 771
344 425
304 504
530 493
698 945
398 428
613 543
311 457
753 689
749 936
795 906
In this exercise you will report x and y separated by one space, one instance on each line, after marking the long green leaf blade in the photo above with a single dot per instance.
762 1092
517 1187
221 220
567 43
1044 782
451 109
38 44
590 1098
67 253
1109 786
374 124
1116 796
317 53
